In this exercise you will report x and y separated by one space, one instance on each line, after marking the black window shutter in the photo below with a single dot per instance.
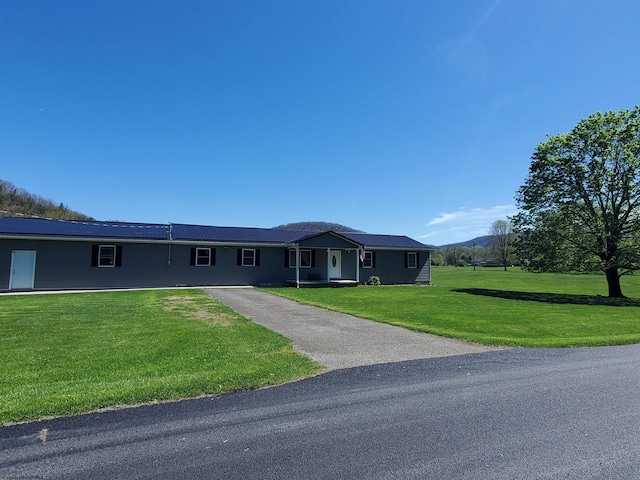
417 259
373 259
193 256
313 258
213 257
94 255
257 257
406 259
286 258
239 257
118 255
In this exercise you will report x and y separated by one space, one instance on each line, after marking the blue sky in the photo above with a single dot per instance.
389 116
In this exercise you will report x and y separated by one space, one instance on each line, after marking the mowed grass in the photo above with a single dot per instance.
69 353
494 307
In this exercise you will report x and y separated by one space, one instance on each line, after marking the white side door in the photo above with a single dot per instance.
23 269
335 264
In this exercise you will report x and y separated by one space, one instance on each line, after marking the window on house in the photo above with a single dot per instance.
248 257
368 260
412 260
305 259
107 256
203 257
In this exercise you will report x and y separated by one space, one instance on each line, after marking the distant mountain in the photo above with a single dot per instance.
16 202
316 227
484 241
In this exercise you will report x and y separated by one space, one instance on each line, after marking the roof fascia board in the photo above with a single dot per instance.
82 239
400 249
216 243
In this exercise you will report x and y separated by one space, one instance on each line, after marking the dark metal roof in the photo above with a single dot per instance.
38 227
234 234
385 241
71 228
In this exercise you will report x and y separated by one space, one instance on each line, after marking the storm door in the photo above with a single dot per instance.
23 269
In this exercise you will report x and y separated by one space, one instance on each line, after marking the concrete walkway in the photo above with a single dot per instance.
337 340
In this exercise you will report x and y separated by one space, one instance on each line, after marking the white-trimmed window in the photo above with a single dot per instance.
368 260
203 257
248 257
305 259
412 260
107 256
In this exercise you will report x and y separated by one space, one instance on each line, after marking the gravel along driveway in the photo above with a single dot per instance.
337 340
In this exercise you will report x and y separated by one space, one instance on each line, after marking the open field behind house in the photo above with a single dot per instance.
70 353
494 307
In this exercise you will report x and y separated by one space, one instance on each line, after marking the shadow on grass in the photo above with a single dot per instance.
561 298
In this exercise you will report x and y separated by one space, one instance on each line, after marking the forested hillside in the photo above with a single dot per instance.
16 201
484 241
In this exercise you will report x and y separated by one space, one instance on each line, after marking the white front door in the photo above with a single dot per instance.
335 264
23 269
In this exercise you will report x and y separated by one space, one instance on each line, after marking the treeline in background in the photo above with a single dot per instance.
16 201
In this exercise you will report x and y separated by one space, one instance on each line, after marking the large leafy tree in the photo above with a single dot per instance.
580 205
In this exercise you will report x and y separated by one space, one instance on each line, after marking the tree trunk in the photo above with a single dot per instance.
613 280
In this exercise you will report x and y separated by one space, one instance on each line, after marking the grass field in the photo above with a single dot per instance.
493 307
63 354
68 353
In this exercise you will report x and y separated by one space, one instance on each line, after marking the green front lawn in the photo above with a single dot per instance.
494 307
68 353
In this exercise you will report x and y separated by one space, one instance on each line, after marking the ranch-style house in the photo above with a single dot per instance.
43 254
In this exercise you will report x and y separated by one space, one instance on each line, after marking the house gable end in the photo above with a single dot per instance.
329 239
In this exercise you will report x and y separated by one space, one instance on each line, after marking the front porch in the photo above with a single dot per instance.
324 260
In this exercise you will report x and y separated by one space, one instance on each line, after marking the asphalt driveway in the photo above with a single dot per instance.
521 414
337 340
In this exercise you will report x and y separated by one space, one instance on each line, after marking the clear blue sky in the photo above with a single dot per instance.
393 116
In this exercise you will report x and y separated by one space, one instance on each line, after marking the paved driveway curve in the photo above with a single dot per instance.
337 340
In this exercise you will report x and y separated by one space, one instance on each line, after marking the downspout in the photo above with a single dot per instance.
169 245
297 265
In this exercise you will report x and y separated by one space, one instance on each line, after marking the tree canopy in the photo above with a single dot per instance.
580 205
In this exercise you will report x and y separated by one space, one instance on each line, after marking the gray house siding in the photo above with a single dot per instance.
424 277
390 267
68 265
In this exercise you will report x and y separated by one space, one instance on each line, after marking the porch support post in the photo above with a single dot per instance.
297 265
328 264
